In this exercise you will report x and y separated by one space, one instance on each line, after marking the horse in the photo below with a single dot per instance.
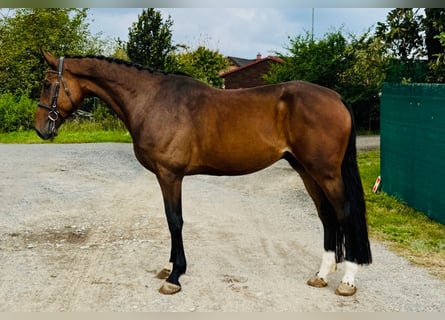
181 126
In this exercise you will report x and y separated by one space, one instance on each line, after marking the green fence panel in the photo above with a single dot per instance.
412 132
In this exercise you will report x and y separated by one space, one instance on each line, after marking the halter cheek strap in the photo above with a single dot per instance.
53 114
53 106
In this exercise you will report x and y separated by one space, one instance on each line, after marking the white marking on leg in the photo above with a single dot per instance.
328 264
168 266
351 269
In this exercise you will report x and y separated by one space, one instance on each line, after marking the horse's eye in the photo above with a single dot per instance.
46 84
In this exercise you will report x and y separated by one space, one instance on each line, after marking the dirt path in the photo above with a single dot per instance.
83 229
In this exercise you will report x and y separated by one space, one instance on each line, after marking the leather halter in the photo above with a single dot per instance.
54 114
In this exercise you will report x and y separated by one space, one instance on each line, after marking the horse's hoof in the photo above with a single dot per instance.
163 274
169 288
317 282
345 289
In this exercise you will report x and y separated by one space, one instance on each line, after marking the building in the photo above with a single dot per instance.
247 73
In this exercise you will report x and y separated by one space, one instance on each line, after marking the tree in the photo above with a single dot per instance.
402 39
119 51
434 26
361 82
366 67
315 61
437 62
203 64
150 40
401 34
23 32
414 41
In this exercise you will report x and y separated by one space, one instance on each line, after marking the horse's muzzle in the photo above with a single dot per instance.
45 135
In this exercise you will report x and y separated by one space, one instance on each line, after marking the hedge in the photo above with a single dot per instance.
16 113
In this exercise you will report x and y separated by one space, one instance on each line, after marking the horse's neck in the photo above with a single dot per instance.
115 84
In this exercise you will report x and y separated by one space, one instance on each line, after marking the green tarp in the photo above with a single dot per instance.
413 145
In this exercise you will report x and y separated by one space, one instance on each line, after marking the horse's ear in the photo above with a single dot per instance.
49 58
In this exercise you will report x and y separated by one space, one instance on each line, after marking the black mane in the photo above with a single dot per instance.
127 64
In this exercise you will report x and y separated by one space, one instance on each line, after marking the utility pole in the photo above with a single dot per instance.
313 13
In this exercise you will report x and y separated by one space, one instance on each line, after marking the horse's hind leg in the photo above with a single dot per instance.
328 218
330 227
328 195
334 189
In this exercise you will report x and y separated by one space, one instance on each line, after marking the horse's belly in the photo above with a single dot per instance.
239 161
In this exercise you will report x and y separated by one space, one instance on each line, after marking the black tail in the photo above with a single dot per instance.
354 226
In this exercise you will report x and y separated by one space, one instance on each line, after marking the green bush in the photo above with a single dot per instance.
107 118
16 113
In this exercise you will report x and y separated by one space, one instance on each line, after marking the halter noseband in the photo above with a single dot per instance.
53 114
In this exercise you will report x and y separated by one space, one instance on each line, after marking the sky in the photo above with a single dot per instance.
241 32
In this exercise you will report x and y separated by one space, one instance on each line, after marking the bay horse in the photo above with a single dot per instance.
181 126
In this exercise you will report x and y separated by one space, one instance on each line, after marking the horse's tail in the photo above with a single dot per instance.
354 226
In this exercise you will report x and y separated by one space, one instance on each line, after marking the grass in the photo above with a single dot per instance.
75 132
405 230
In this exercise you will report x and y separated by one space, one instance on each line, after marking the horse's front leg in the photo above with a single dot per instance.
171 191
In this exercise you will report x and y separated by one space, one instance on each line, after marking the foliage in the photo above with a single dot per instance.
437 63
401 38
16 113
433 25
401 34
150 44
120 51
150 40
363 79
23 32
314 61
411 71
365 67
411 38
106 117
203 64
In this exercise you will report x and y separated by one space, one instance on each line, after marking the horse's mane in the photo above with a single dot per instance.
127 64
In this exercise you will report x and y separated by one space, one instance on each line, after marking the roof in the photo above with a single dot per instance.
252 63
239 62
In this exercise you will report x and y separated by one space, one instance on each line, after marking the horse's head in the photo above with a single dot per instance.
61 94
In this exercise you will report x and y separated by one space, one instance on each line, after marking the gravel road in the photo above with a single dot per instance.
83 229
